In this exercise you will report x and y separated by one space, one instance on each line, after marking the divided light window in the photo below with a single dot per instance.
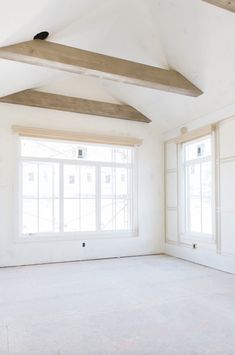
68 187
198 191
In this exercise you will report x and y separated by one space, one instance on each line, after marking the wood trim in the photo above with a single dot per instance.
73 104
224 4
34 132
79 61
197 133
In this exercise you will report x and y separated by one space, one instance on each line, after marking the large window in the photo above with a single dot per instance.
67 187
198 187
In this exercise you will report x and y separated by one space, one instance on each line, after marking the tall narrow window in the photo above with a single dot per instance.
198 190
70 187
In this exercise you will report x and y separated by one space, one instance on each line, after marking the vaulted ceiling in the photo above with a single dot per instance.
189 36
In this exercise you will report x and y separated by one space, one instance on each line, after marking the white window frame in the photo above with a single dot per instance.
184 234
98 234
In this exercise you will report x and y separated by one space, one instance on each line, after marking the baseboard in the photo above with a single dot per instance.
79 260
202 256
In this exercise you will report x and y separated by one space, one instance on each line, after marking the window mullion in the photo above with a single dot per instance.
79 197
115 197
186 222
129 187
61 196
201 193
53 196
98 197
188 207
38 165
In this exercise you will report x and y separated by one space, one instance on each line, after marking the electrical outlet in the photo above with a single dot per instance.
194 246
83 245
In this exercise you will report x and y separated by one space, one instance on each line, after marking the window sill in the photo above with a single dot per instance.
86 236
198 238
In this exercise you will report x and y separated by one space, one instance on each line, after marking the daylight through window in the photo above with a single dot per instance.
197 177
69 187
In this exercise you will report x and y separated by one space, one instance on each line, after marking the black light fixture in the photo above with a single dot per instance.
41 35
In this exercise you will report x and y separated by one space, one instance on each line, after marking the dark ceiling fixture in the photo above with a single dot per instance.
41 35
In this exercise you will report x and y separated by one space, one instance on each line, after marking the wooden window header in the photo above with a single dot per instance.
75 136
197 133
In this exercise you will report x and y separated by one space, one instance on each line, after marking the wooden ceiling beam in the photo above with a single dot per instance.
224 4
73 104
61 57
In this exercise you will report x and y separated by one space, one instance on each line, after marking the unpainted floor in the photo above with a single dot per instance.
151 305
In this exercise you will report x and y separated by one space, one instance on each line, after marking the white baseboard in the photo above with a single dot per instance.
202 256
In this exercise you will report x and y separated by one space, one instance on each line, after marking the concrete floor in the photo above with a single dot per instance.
153 305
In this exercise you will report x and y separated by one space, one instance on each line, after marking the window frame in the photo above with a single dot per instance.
76 235
184 234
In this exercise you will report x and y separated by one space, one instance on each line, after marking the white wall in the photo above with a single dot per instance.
220 254
150 190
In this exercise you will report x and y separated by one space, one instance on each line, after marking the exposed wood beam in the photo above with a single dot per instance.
60 57
225 4
73 104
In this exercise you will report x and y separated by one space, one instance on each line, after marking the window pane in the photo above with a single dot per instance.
107 214
88 214
123 155
30 180
74 151
30 216
195 215
198 149
45 180
206 180
194 180
51 149
199 192
99 153
121 181
46 215
71 215
71 181
206 216
79 215
122 214
115 214
206 198
107 181
49 180
40 181
87 180
115 181
79 181
56 215
194 197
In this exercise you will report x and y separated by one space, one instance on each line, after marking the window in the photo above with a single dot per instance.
68 187
197 187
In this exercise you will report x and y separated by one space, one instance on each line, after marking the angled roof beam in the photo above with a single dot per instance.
73 104
224 4
60 57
